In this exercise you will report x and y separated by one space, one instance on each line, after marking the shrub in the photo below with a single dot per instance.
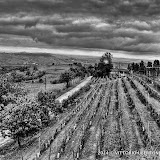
55 82
41 80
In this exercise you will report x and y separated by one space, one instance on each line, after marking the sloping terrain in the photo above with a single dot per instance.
114 120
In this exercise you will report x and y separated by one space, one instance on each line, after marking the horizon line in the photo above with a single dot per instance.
74 51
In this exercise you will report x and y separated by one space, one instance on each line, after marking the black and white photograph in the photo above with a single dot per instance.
79 79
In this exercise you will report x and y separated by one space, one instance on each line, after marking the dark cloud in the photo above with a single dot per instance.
124 25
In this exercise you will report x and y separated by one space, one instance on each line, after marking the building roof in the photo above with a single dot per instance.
121 70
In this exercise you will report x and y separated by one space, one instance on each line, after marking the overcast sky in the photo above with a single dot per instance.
129 28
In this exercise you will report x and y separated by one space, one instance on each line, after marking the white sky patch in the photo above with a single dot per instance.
99 25
95 22
31 18
89 20
126 30
18 19
102 26
142 24
138 23
45 27
126 2
133 31
51 18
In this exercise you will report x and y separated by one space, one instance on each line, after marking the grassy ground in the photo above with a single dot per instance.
53 72
34 88
45 63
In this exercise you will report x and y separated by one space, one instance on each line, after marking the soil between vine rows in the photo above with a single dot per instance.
112 123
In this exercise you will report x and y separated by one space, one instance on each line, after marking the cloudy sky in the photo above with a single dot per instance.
127 28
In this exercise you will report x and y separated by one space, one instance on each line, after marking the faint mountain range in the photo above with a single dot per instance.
49 59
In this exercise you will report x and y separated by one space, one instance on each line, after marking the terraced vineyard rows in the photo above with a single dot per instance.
117 119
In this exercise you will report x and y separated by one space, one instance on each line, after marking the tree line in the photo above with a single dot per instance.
100 69
143 67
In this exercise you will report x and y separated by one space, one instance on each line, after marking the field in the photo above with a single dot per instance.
52 73
36 87
116 119
52 64
45 63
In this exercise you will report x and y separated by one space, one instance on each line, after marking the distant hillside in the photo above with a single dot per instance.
126 60
48 59
42 59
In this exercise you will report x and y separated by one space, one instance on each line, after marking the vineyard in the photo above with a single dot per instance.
115 119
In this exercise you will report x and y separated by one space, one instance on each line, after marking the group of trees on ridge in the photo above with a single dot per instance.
142 67
100 69
104 67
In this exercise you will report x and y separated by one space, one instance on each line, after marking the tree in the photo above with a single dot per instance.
107 59
133 66
91 69
136 67
156 63
149 64
47 102
22 119
18 114
28 73
79 64
142 67
104 66
129 67
35 68
66 77
17 77
10 91
46 98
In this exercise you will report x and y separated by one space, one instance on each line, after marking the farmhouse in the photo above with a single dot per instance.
119 71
